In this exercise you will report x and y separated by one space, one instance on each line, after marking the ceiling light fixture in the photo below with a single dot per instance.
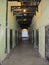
24 10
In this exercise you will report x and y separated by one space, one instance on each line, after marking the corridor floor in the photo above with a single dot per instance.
25 54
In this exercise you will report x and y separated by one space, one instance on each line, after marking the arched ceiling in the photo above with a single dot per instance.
25 12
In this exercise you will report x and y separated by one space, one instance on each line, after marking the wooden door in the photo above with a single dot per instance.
47 42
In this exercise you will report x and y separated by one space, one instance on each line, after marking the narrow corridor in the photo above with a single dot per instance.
25 54
24 18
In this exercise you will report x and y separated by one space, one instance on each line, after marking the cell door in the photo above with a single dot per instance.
10 39
33 37
6 41
47 42
37 38
16 38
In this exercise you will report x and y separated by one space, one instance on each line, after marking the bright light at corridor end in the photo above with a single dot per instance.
26 30
25 33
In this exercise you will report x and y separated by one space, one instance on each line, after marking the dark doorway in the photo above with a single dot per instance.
11 39
15 37
33 37
6 42
47 42
37 38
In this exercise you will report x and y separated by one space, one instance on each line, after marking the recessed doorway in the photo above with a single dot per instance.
37 38
47 42
11 39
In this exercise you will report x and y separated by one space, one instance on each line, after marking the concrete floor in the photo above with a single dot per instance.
25 54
